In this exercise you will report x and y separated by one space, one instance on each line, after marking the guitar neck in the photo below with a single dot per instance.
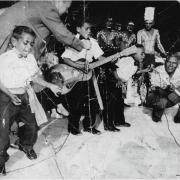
103 61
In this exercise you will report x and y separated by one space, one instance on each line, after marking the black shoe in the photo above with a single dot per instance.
177 119
75 132
156 119
30 153
2 170
111 128
93 131
123 125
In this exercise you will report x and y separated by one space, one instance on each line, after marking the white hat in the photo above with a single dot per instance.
149 14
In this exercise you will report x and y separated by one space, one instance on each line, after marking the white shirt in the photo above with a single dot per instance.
160 78
126 68
16 72
95 51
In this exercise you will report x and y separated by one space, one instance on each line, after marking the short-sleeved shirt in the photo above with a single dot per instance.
16 72
94 52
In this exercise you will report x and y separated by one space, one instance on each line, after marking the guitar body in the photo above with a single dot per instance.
66 77
70 76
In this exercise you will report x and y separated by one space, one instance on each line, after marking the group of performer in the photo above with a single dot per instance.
81 88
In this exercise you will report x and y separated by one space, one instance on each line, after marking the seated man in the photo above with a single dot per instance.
165 88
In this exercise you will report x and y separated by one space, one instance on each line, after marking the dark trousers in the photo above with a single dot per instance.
160 100
82 101
27 133
113 102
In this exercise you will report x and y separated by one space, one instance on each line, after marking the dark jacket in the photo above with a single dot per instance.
42 17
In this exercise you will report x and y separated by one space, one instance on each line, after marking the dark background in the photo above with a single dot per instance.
167 15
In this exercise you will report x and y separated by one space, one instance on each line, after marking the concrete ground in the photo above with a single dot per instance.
146 150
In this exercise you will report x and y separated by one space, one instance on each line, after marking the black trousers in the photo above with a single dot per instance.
113 102
82 101
159 101
27 133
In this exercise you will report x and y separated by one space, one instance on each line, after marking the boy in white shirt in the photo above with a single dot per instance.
18 69
78 97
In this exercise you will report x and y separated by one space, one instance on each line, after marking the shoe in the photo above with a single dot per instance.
3 170
176 119
30 153
123 125
93 131
111 128
75 132
156 119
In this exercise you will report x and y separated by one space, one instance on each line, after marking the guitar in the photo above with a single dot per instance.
66 77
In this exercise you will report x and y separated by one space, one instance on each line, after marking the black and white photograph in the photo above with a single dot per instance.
89 90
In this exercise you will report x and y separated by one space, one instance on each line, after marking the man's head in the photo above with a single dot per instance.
118 26
172 63
139 55
83 27
109 23
62 5
148 25
130 26
23 39
149 17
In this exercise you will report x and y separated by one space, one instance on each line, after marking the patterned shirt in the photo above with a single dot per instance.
126 40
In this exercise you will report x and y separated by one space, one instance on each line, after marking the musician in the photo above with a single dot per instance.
110 85
165 88
149 37
18 69
44 18
82 99
107 38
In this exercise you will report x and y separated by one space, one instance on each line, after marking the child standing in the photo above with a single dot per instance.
18 69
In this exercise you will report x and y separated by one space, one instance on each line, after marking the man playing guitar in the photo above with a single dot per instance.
81 98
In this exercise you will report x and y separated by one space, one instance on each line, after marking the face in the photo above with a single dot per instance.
148 25
25 44
109 24
139 56
62 6
171 64
118 27
130 28
85 30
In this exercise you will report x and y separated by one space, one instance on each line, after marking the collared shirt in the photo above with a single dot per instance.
95 51
16 72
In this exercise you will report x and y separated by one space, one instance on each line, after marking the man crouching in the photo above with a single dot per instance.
165 88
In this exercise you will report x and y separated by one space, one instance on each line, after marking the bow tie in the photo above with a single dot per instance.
81 38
